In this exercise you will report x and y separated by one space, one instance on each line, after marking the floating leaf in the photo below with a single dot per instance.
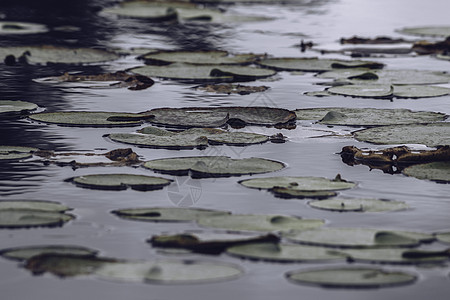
15 152
235 116
24 218
269 223
204 73
388 77
436 31
367 116
396 256
315 64
24 253
15 108
364 91
443 237
358 205
432 135
355 277
8 27
56 55
208 243
213 166
231 88
166 214
213 57
36 205
358 237
91 119
435 171
192 138
284 253
118 79
167 272
121 182
290 193
305 184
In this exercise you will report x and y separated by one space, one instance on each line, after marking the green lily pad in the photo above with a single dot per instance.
36 205
166 214
27 218
355 277
315 64
358 237
433 134
284 253
268 223
207 242
15 108
15 152
213 166
192 138
213 57
436 31
443 237
435 171
359 205
57 55
8 27
311 184
121 182
166 272
91 119
388 77
395 256
204 73
24 253
292 193
235 116
367 116
389 91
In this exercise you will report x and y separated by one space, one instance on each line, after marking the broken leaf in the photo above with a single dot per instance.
15 152
213 166
166 214
120 182
354 277
435 171
358 205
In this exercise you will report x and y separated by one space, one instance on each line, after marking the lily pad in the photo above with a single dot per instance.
367 116
15 152
432 135
204 73
27 218
206 242
9 27
165 272
37 205
311 184
91 119
355 277
192 138
389 91
213 166
358 205
292 193
315 64
121 182
435 31
24 253
267 223
188 117
166 214
435 171
57 55
396 256
443 237
358 237
15 108
388 77
285 253
213 57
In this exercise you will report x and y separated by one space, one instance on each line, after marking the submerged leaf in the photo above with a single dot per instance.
213 166
354 277
121 182
358 205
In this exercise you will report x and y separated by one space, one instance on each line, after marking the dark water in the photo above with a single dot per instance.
322 22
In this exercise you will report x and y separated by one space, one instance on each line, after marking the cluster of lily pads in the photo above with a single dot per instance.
275 238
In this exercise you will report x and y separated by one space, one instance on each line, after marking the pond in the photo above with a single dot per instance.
311 149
